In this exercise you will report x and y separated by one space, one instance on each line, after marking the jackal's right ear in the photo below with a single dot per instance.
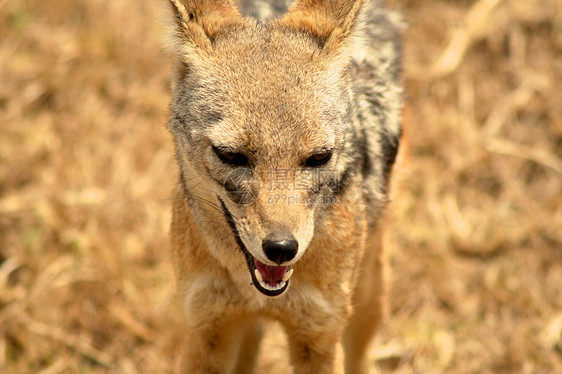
333 23
199 22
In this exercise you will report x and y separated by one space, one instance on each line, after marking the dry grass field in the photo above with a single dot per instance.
87 170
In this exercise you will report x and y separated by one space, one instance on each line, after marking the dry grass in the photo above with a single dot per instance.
86 172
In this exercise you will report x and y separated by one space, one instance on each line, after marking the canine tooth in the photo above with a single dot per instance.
281 285
258 276
287 275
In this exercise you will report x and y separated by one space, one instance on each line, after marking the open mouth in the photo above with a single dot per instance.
269 280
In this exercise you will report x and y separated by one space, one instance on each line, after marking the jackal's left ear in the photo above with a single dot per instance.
199 22
333 23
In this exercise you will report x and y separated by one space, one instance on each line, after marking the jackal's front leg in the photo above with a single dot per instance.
212 346
314 328
316 354
215 329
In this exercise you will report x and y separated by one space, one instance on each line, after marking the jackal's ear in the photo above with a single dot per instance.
199 22
333 23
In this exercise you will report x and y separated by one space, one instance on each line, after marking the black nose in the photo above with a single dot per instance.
280 250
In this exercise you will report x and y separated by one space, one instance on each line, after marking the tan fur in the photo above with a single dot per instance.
331 21
278 92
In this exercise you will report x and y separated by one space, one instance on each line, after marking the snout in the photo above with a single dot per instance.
280 248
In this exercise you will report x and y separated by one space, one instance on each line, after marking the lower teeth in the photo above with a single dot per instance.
276 287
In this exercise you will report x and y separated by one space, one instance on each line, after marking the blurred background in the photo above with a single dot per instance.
87 171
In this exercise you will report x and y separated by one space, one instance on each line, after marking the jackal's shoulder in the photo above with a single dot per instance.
377 66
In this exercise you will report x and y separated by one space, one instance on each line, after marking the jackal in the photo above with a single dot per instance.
286 123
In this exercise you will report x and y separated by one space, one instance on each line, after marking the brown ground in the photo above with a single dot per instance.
86 172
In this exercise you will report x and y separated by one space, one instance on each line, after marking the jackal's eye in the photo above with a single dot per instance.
231 158
318 159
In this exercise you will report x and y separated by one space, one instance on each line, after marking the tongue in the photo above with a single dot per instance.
270 274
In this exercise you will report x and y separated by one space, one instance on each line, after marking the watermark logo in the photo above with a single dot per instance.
244 185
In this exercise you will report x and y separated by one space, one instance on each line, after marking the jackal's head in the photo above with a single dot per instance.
259 115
